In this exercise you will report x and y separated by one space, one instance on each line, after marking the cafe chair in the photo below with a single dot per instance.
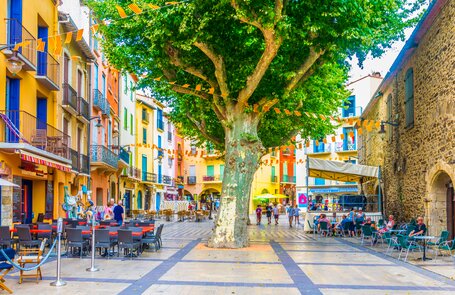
31 256
5 268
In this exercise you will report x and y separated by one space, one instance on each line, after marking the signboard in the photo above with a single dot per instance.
328 190
302 200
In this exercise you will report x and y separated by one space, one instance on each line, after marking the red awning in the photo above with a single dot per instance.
46 162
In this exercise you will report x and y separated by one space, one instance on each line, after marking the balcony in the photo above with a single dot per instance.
345 147
84 164
145 116
288 179
351 112
69 102
149 177
132 172
17 33
22 127
102 156
74 157
169 136
191 180
320 149
48 71
160 124
273 178
211 178
124 156
180 179
100 102
83 110
167 180
160 153
287 152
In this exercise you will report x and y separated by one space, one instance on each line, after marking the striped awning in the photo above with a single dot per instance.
29 157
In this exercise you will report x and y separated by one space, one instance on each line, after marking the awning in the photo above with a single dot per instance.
340 171
328 190
4 182
30 157
270 196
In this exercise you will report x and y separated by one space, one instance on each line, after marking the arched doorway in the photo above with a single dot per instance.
442 210
139 200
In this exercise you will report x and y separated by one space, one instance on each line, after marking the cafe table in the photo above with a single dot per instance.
424 239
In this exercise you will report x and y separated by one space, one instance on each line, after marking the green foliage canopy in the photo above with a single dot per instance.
288 54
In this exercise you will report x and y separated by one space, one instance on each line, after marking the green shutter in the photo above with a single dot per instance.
125 118
221 171
210 170
144 135
131 124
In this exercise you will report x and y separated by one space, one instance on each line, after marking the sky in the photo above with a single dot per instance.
381 64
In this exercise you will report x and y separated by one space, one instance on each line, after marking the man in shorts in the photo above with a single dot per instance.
276 214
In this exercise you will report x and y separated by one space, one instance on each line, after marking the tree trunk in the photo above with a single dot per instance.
243 152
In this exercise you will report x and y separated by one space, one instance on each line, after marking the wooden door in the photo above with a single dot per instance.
450 210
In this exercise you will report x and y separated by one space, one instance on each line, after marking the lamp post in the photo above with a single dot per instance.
383 123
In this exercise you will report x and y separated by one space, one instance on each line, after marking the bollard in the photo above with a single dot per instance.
59 282
93 268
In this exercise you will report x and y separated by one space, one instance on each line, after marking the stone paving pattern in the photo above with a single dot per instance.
280 260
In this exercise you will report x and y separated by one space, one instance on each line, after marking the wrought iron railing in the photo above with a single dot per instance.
17 33
48 67
149 177
124 156
209 178
167 180
133 172
69 96
191 179
83 108
100 102
273 178
100 153
22 127
84 164
287 178
74 156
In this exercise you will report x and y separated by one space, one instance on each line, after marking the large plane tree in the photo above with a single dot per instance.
223 66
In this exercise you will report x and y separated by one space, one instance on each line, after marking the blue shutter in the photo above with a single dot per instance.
41 113
12 105
144 167
16 24
42 56
160 176
96 77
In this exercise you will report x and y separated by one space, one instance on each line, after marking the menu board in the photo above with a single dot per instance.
17 200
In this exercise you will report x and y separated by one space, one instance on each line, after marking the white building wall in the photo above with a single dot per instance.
127 109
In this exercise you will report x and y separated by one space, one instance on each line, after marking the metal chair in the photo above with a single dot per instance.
155 239
441 240
74 239
324 228
104 241
126 241
5 237
406 246
367 233
25 237
48 235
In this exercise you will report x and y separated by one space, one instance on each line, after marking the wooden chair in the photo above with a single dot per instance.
31 256
40 139
5 268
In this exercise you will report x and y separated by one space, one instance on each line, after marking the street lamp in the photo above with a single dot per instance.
382 129
14 64
98 121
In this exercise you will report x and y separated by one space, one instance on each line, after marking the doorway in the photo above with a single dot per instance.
27 194
158 201
450 210
442 207
127 202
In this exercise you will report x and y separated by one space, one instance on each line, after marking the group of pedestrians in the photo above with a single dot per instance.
293 213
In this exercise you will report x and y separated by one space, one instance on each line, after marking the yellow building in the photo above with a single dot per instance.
266 183
34 154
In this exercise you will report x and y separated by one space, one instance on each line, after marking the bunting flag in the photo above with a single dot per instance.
297 113
79 35
153 6
211 90
277 110
186 85
40 45
307 143
135 8
198 87
255 107
342 136
334 139
265 108
58 45
287 112
120 11
68 38
17 46
316 142
359 131
95 28
324 140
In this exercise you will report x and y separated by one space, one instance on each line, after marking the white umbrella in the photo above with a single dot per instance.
4 182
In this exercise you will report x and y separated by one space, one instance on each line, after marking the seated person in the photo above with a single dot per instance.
420 228
388 226
368 222
340 225
323 218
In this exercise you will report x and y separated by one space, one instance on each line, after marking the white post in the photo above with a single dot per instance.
59 282
93 268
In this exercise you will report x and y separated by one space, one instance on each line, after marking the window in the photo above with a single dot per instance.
131 91
193 149
221 171
170 161
144 135
319 148
159 119
349 107
139 200
131 124
125 118
104 84
389 115
319 181
125 84
409 97
210 170
349 139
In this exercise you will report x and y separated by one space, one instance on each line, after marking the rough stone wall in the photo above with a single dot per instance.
415 156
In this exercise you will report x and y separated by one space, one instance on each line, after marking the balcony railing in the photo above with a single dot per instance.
345 147
22 127
273 178
83 108
69 97
74 156
180 179
167 180
84 164
287 178
17 33
100 102
160 152
124 156
169 136
48 71
191 179
211 178
321 148
149 177
351 112
101 154
132 172
287 152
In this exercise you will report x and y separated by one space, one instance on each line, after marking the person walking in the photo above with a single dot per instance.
276 214
296 215
258 214
268 211
290 215
119 213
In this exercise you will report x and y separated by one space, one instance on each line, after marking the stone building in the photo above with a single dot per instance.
417 150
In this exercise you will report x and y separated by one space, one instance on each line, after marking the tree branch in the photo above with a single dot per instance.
202 129
303 70
173 54
220 69
272 45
